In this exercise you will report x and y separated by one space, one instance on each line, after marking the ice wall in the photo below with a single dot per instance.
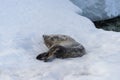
98 9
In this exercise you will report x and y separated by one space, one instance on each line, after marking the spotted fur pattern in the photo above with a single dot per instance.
61 46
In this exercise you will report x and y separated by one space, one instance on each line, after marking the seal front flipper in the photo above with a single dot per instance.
60 51
41 56
55 52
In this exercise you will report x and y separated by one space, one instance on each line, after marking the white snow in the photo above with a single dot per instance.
22 24
98 9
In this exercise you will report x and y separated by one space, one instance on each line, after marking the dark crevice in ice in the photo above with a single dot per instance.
109 25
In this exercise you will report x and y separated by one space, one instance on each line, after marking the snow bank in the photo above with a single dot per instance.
21 28
99 9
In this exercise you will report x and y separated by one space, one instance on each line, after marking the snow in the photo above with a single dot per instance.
22 25
98 9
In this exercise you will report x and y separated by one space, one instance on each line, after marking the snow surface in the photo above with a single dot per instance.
99 9
22 24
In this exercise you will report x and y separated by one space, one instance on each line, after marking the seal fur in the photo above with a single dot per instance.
61 46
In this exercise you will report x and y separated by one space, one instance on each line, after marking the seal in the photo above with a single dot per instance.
61 46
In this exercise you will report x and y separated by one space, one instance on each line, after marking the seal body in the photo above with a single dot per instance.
61 46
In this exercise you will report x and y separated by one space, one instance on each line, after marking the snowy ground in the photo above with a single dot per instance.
22 24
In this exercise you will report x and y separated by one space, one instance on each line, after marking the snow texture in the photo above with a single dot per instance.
22 24
98 9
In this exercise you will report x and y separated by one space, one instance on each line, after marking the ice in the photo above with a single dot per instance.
98 9
22 25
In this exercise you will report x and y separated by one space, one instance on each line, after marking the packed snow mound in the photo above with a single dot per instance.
22 24
98 9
